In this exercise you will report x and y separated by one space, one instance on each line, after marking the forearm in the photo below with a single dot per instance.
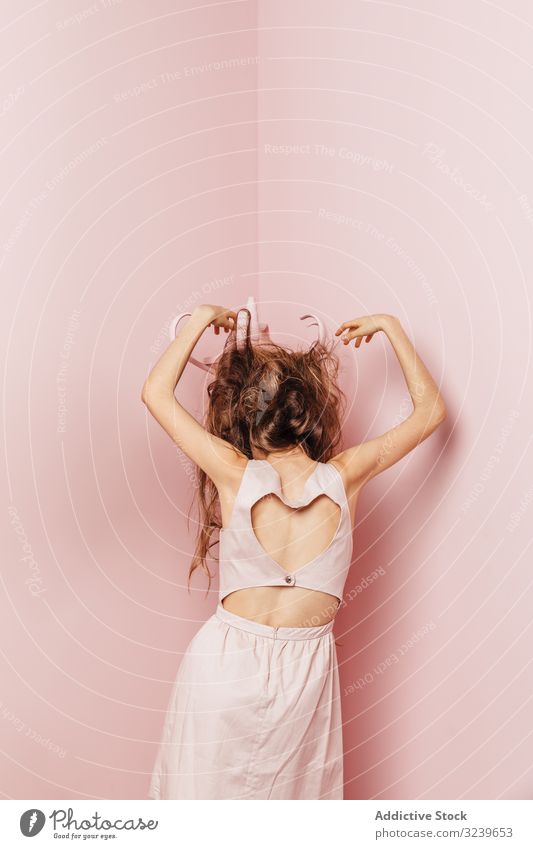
422 388
169 368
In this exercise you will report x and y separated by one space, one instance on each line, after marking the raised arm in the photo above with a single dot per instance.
218 458
363 461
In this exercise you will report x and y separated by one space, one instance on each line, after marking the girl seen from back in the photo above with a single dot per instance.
254 712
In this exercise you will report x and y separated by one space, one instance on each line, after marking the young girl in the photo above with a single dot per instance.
255 711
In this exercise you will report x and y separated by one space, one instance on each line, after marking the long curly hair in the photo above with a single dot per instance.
265 396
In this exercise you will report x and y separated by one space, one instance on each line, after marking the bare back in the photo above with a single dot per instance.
292 537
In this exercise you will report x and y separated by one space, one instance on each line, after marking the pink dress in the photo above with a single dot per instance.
255 710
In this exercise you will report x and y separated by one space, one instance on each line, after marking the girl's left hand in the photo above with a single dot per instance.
356 328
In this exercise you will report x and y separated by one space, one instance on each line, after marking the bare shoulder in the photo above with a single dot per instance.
229 473
352 482
228 483
346 464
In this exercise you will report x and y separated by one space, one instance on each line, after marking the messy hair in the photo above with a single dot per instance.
268 397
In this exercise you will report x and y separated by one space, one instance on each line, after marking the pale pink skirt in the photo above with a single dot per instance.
254 713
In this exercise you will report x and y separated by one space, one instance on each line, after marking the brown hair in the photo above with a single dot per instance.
298 401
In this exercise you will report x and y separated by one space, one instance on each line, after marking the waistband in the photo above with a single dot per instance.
281 632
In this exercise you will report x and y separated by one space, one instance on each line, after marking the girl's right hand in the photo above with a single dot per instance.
217 316
366 325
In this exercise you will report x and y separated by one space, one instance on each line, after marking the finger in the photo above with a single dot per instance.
358 341
353 331
342 327
354 322
368 338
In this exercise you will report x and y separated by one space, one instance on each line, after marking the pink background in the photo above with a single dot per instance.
339 158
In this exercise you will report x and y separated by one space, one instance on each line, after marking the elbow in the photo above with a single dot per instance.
433 414
439 412
151 391
146 393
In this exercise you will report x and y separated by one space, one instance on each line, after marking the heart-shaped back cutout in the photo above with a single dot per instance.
294 537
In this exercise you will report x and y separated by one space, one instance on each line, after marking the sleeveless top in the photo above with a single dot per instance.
244 563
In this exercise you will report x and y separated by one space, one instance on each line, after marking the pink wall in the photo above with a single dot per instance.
155 213
138 181
382 115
